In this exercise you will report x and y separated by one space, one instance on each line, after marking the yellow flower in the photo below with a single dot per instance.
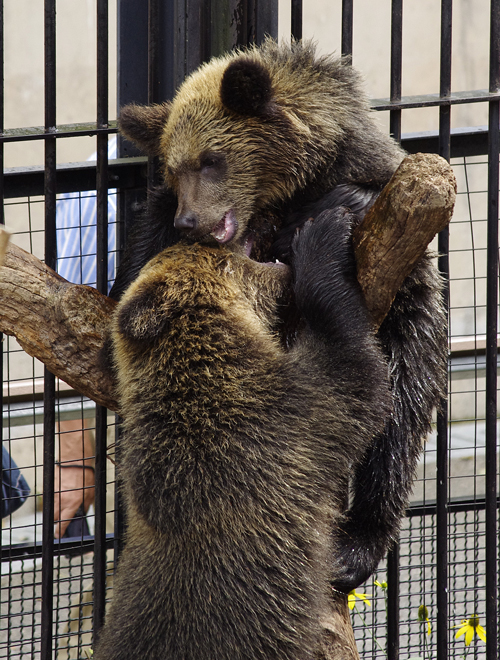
382 585
351 598
469 627
423 615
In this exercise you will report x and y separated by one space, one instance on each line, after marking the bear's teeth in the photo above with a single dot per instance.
225 230
248 244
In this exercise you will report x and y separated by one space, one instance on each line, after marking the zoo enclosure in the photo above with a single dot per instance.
447 558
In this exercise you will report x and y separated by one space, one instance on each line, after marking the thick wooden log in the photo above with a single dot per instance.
63 325
416 204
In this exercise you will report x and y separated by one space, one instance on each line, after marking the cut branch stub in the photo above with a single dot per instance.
4 239
416 204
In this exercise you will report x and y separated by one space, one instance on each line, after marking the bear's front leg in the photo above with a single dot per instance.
327 292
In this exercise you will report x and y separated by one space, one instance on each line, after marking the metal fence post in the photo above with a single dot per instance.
49 379
492 639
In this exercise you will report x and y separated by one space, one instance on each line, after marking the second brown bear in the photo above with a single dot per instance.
233 448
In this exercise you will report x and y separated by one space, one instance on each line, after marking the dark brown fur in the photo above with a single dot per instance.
234 450
253 145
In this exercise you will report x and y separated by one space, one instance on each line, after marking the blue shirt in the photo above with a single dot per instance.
76 232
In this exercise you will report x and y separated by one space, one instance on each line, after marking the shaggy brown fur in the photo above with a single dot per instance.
233 448
253 144
250 131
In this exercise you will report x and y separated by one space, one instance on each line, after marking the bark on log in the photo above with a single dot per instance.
64 325
416 204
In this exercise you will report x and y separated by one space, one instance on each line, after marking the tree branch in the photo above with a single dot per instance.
64 325
415 205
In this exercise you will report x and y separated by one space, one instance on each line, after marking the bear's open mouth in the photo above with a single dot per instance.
225 230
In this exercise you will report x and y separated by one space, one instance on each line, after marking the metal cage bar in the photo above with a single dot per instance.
296 26
396 66
492 640
442 623
395 130
99 591
2 222
49 379
347 27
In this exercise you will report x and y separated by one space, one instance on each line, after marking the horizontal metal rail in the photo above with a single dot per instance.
381 104
128 173
86 129
123 173
454 505
76 545
434 100
86 544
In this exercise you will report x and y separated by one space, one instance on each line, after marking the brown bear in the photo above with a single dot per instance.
253 144
234 449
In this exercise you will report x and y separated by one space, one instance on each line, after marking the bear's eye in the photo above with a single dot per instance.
212 163
208 162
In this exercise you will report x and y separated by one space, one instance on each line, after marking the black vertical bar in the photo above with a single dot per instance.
266 20
226 33
347 19
396 66
49 425
49 380
102 146
198 32
491 343
393 613
442 512
153 51
132 60
102 285
250 32
240 19
179 36
153 77
297 19
442 622
240 14
395 130
445 79
100 522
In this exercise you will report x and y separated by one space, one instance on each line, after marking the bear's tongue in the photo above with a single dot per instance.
225 230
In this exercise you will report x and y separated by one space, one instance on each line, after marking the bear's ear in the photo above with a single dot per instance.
145 315
246 88
143 125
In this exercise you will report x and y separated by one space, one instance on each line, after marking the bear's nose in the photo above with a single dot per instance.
186 221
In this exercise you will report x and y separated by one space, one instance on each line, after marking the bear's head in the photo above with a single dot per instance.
243 134
205 286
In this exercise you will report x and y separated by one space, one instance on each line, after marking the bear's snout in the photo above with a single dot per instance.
187 221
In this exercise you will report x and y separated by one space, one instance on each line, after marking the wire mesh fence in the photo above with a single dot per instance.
447 557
